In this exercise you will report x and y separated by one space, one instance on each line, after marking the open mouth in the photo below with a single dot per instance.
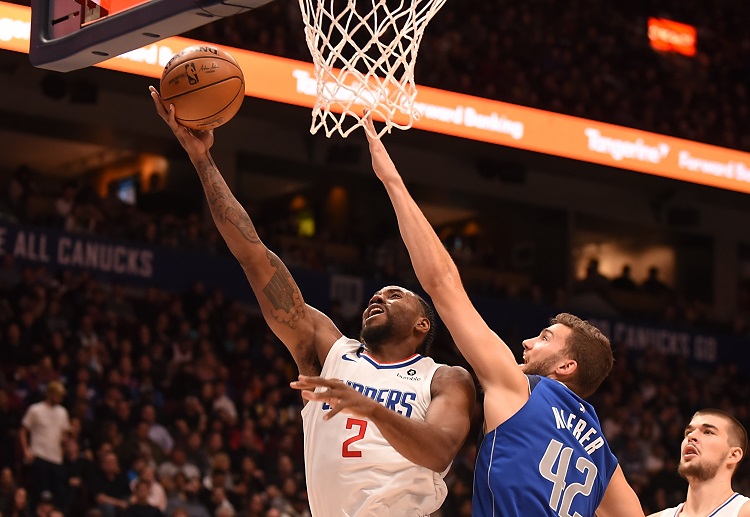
689 452
374 311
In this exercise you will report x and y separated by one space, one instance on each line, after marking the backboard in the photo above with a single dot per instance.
68 35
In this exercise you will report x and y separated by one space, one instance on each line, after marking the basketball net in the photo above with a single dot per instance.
364 57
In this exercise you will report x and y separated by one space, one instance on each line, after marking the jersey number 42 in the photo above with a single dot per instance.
561 498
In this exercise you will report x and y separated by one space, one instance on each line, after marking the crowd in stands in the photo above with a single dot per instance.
179 405
375 253
180 400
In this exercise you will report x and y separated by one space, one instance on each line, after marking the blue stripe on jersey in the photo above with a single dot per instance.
548 459
390 365
723 505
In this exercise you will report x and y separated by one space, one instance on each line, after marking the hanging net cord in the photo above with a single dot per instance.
364 57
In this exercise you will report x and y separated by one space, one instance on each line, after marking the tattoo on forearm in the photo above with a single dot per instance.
284 294
281 290
224 207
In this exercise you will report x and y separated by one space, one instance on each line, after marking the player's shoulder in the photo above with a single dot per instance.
744 509
452 376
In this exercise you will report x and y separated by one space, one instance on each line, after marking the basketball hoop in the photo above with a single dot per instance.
364 57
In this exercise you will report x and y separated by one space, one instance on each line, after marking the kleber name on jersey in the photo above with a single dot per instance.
583 431
396 400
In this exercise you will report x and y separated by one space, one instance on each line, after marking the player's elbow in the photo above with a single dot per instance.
442 457
440 282
441 464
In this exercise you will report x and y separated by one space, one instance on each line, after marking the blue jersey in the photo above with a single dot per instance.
550 458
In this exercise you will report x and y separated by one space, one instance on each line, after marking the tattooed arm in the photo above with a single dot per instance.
306 332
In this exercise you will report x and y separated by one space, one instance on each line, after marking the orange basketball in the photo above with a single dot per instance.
206 86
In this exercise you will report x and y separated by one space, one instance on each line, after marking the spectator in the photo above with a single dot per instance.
178 463
624 282
18 193
10 273
7 488
44 429
157 432
64 205
19 505
45 506
76 471
223 404
195 453
593 281
156 495
141 507
109 486
189 501
653 284
139 445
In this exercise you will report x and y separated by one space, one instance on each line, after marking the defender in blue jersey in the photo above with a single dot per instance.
543 453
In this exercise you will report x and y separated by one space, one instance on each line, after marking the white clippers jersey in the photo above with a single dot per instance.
729 508
351 469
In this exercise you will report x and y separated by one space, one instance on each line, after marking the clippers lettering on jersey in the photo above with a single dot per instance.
396 400
582 431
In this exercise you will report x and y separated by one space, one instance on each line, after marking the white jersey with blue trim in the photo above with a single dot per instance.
351 469
729 508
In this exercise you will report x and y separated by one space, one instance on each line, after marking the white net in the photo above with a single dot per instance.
364 54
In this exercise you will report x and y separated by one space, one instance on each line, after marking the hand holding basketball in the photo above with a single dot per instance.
206 86
194 142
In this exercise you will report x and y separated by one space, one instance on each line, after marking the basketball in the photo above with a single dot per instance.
206 86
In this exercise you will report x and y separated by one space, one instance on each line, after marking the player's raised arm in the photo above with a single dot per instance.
488 355
306 332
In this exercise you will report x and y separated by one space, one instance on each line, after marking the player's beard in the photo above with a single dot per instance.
698 470
543 368
374 335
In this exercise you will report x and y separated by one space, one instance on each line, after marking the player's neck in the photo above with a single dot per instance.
704 497
389 352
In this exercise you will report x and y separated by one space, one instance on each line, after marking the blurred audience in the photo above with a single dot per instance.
234 427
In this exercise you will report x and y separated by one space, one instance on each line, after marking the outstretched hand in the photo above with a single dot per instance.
381 161
195 142
338 395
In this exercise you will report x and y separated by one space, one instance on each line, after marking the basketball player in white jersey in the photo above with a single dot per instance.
388 422
714 445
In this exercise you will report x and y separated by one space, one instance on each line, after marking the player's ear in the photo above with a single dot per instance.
566 367
735 455
422 325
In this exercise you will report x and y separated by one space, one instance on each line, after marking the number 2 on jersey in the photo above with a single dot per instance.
554 451
350 423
